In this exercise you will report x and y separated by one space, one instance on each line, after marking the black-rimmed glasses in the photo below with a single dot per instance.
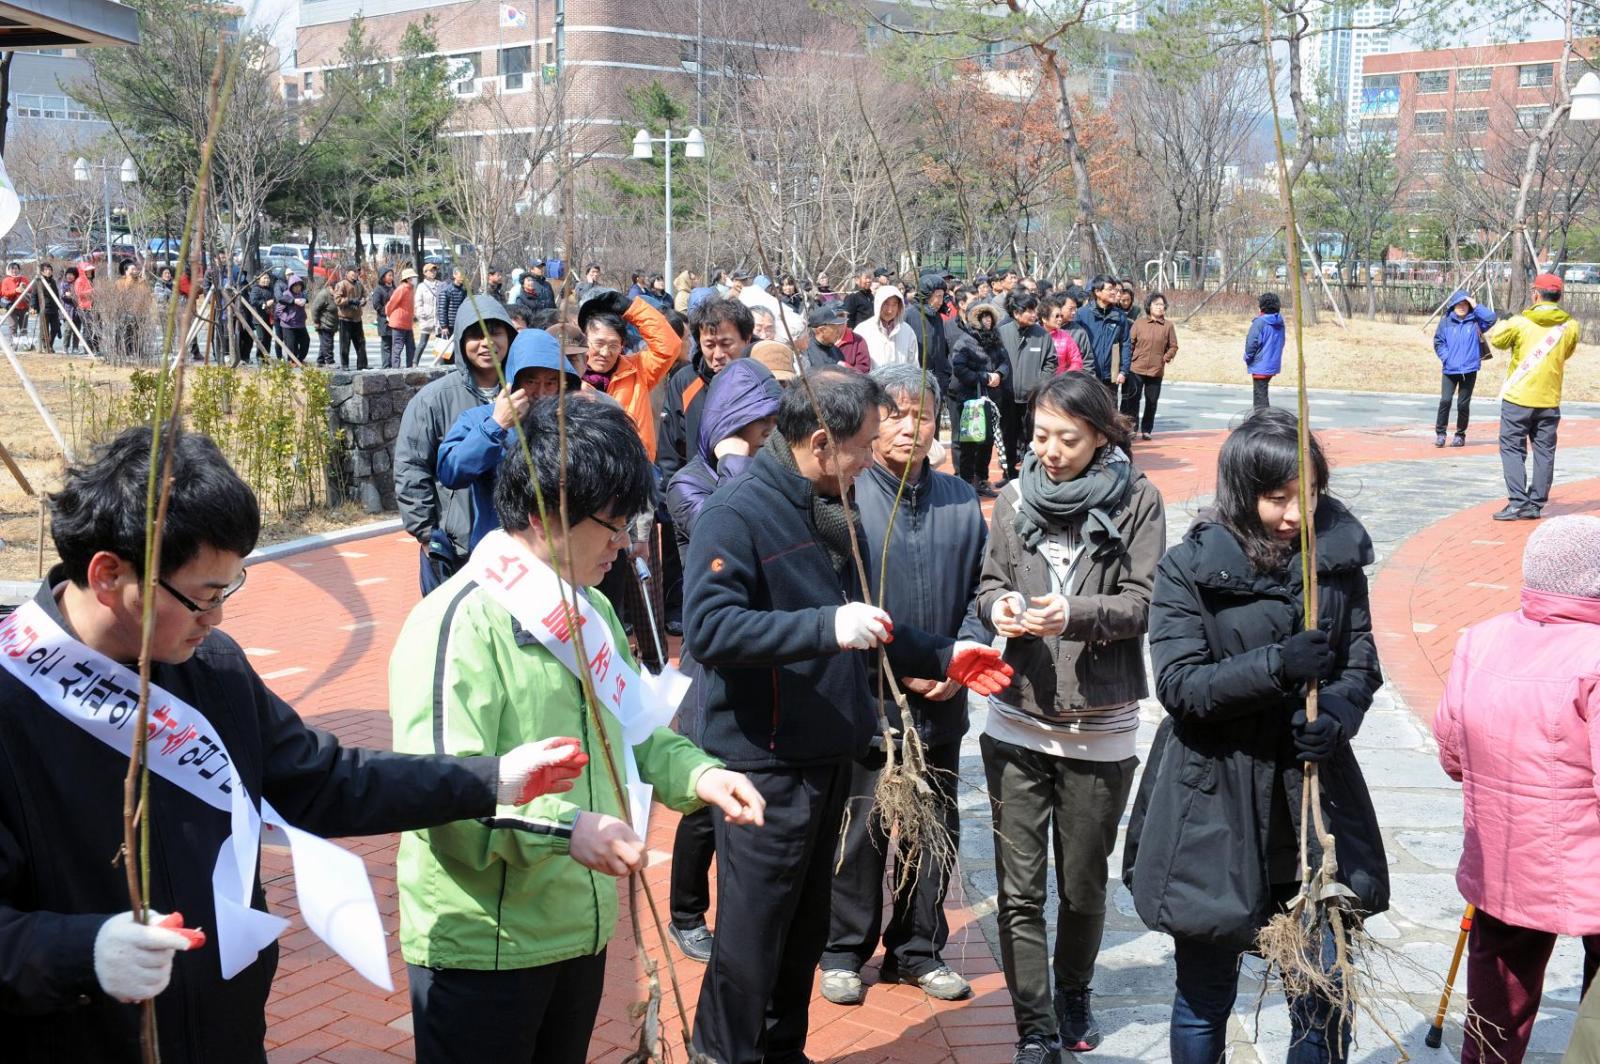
195 607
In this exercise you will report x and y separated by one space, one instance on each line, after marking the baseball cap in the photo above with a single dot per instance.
1548 282
831 313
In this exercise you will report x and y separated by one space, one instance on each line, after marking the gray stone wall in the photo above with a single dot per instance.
364 412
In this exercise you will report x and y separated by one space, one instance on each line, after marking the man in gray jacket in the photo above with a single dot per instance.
935 557
440 517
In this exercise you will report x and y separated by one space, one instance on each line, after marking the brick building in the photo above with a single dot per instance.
505 51
1480 99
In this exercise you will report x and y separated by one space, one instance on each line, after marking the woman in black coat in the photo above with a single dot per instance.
1212 847
979 369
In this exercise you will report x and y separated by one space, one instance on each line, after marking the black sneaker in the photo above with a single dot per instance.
1075 1021
1528 513
694 942
1035 1049
1511 512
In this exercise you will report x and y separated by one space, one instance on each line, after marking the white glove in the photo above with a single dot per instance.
132 961
860 626
546 767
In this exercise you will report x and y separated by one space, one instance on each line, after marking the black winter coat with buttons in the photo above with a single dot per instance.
1204 821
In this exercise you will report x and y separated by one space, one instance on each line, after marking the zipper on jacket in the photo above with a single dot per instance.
772 740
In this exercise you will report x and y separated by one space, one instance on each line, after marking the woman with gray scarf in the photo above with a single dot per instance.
1067 579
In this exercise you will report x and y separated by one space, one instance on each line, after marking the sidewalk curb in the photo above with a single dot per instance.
289 548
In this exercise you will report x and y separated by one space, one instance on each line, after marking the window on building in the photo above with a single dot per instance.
1424 122
1433 81
1536 75
515 66
1430 162
1380 128
1474 79
1531 119
50 108
689 55
1472 120
306 81
464 73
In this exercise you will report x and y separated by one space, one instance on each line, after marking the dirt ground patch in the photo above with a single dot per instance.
1363 357
36 453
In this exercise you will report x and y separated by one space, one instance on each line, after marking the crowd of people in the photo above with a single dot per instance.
809 481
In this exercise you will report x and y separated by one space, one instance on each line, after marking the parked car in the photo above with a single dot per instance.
1582 275
286 263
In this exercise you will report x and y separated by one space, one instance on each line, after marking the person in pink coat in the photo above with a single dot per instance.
1519 726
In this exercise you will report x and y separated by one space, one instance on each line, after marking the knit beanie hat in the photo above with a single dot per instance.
1563 557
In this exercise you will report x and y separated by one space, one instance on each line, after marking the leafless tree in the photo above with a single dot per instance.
1189 132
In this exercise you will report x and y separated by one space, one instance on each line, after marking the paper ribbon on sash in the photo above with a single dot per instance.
541 602
101 696
1531 361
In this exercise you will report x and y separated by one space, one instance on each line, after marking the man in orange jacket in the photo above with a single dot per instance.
604 316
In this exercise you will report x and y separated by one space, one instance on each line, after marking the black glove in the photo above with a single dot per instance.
1306 656
1315 740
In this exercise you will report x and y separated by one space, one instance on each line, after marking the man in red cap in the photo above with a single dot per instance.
1540 340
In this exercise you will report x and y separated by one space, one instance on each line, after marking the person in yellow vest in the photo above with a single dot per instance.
1540 340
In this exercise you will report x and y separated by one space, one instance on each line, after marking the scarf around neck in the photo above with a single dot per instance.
1044 507
833 523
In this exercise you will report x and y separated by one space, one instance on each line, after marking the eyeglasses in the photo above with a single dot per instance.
617 531
603 347
195 607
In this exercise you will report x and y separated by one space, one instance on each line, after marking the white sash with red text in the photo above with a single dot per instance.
541 602
1531 361
101 697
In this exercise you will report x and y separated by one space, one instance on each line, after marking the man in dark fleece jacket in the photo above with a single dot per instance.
786 699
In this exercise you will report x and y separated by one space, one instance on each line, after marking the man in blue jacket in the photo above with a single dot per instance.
1263 347
937 552
1107 328
1458 341
771 615
471 451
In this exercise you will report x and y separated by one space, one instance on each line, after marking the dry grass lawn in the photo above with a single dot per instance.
1365 356
34 450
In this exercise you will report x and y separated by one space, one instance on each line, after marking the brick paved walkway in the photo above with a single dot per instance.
319 627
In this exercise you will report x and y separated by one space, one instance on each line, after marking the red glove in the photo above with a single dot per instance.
545 767
174 922
979 668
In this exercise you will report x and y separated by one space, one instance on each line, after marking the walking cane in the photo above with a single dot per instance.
641 569
1436 1032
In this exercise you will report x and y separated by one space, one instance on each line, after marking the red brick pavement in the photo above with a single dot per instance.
1452 574
319 628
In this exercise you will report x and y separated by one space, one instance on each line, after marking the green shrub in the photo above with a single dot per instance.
270 422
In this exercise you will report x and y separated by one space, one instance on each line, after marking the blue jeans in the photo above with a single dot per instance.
1208 981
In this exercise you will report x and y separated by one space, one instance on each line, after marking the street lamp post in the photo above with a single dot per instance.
127 173
694 147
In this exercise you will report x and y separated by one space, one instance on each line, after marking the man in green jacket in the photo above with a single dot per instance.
505 921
